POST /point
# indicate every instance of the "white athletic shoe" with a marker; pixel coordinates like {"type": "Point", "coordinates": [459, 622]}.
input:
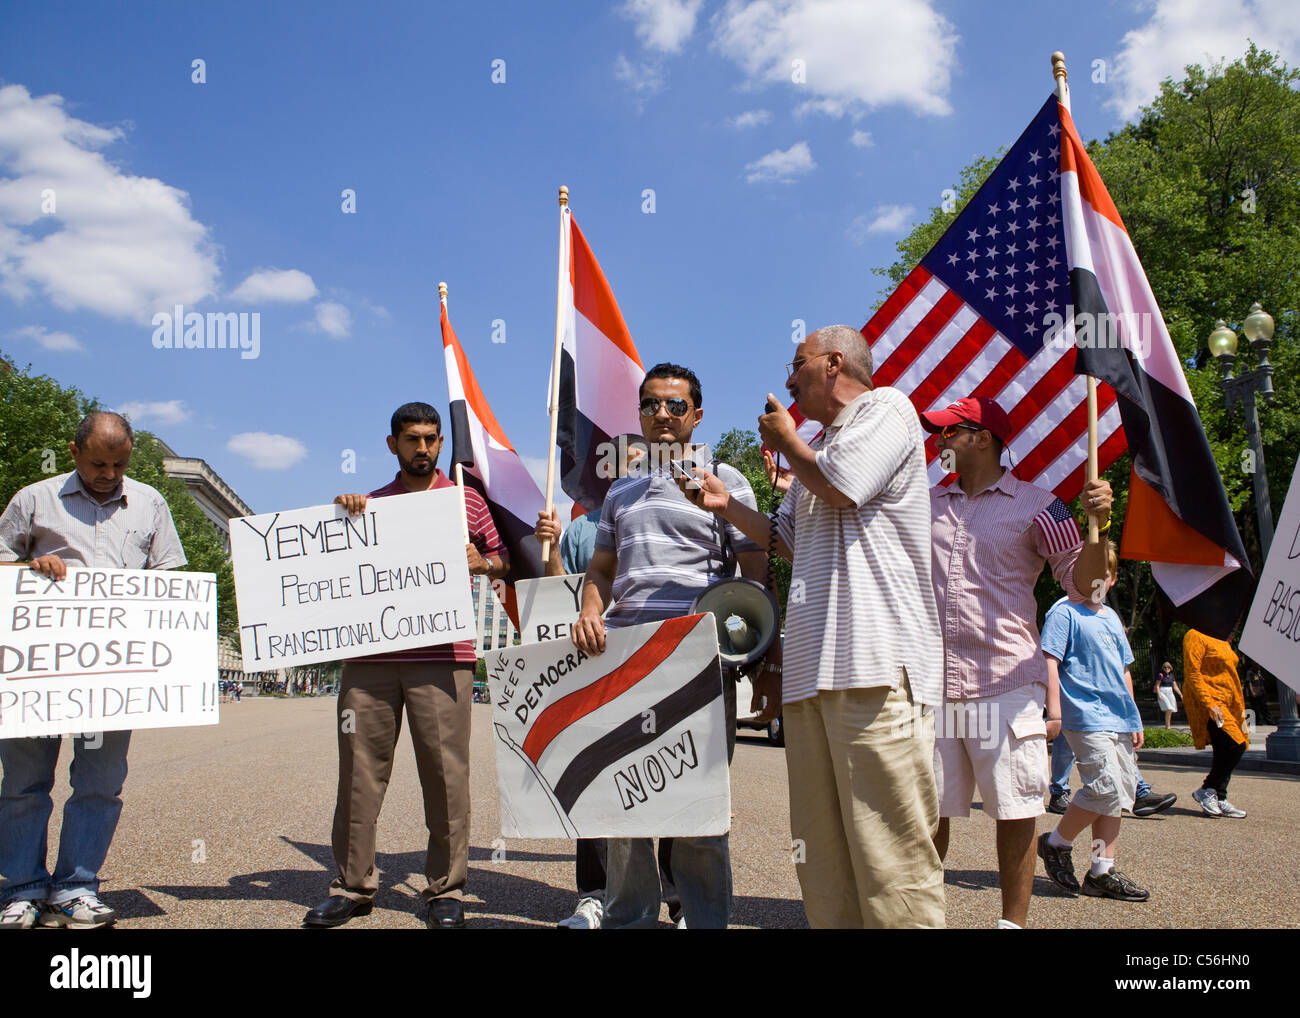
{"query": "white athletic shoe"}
{"type": "Point", "coordinates": [1209, 800]}
{"type": "Point", "coordinates": [20, 914]}
{"type": "Point", "coordinates": [1227, 809]}
{"type": "Point", "coordinates": [589, 914]}
{"type": "Point", "coordinates": [84, 913]}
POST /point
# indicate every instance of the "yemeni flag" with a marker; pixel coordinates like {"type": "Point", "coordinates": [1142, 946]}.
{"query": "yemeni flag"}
{"type": "Point", "coordinates": [1178, 517]}
{"type": "Point", "coordinates": [491, 467]}
{"type": "Point", "coordinates": [600, 373]}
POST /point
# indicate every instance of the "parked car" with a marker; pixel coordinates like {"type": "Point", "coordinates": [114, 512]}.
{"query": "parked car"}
{"type": "Point", "coordinates": [775, 729]}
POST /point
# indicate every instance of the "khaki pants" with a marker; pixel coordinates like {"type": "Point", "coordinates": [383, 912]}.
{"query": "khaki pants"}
{"type": "Point", "coordinates": [863, 809]}
{"type": "Point", "coordinates": [437, 697]}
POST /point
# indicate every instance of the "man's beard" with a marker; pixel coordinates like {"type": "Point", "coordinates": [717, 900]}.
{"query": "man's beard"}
{"type": "Point", "coordinates": [418, 469]}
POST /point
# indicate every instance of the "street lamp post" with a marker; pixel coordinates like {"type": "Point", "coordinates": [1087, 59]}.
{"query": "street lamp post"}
{"type": "Point", "coordinates": [1284, 744]}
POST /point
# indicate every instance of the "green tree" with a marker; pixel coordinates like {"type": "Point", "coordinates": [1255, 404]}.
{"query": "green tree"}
{"type": "Point", "coordinates": [1207, 181]}
{"type": "Point", "coordinates": [37, 420]}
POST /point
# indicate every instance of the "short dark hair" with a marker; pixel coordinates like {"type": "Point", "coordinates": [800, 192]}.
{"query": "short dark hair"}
{"type": "Point", "coordinates": [414, 413]}
{"type": "Point", "coordinates": [115, 422]}
{"type": "Point", "coordinates": [666, 370]}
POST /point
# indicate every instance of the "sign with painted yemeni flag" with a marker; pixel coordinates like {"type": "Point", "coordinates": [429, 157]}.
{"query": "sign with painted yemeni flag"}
{"type": "Point", "coordinates": [628, 743]}
{"type": "Point", "coordinates": [104, 650]}
{"type": "Point", "coordinates": [317, 584]}
{"type": "Point", "coordinates": [548, 607]}
{"type": "Point", "coordinates": [1272, 633]}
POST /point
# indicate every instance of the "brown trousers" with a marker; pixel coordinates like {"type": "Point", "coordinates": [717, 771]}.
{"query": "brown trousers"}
{"type": "Point", "coordinates": [437, 698]}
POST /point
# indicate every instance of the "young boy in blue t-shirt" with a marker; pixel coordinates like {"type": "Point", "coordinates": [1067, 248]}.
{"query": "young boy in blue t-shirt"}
{"type": "Point", "coordinates": [1090, 695]}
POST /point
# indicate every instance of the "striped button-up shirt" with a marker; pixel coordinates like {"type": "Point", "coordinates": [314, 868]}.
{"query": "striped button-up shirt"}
{"type": "Point", "coordinates": [132, 529]}
{"type": "Point", "coordinates": [861, 608]}
{"type": "Point", "coordinates": [988, 552]}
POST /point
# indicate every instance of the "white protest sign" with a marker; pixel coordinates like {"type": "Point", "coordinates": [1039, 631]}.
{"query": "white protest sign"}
{"type": "Point", "coordinates": [317, 584]}
{"type": "Point", "coordinates": [106, 649]}
{"type": "Point", "coordinates": [1272, 633]}
{"type": "Point", "coordinates": [628, 743]}
{"type": "Point", "coordinates": [548, 607]}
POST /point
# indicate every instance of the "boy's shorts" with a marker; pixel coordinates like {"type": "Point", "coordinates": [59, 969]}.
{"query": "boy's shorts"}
{"type": "Point", "coordinates": [1108, 766]}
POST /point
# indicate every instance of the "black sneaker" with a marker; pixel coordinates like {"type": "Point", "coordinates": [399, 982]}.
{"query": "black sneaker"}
{"type": "Point", "coordinates": [1059, 863]}
{"type": "Point", "coordinates": [1153, 803]}
{"type": "Point", "coordinates": [1058, 804]}
{"type": "Point", "coordinates": [1114, 885]}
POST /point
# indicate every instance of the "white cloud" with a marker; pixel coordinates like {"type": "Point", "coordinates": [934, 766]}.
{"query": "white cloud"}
{"type": "Point", "coordinates": [115, 244]}
{"type": "Point", "coordinates": [751, 118]}
{"type": "Point", "coordinates": [643, 79]}
{"type": "Point", "coordinates": [1182, 32]}
{"type": "Point", "coordinates": [861, 139]}
{"type": "Point", "coordinates": [782, 166]}
{"type": "Point", "coordinates": [266, 451]}
{"type": "Point", "coordinates": [856, 56]}
{"type": "Point", "coordinates": [171, 411]}
{"type": "Point", "coordinates": [56, 342]}
{"type": "Point", "coordinates": [885, 219]}
{"type": "Point", "coordinates": [333, 319]}
{"type": "Point", "coordinates": [663, 25]}
{"type": "Point", "coordinates": [275, 285]}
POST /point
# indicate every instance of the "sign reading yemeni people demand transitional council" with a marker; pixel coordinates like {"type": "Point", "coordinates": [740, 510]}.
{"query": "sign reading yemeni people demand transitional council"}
{"type": "Point", "coordinates": [628, 743]}
{"type": "Point", "coordinates": [548, 607]}
{"type": "Point", "coordinates": [106, 649]}
{"type": "Point", "coordinates": [317, 584]}
{"type": "Point", "coordinates": [1272, 633]}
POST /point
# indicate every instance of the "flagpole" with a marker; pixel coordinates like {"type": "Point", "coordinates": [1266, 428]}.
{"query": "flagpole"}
{"type": "Point", "coordinates": [1063, 94]}
{"type": "Point", "coordinates": [555, 363]}
{"type": "Point", "coordinates": [460, 476]}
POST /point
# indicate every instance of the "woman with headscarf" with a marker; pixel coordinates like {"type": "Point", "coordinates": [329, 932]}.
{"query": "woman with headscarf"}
{"type": "Point", "coordinates": [1216, 712]}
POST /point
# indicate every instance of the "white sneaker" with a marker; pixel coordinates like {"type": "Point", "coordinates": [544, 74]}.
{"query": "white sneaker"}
{"type": "Point", "coordinates": [84, 913]}
{"type": "Point", "coordinates": [1209, 800]}
{"type": "Point", "coordinates": [1227, 809]}
{"type": "Point", "coordinates": [20, 914]}
{"type": "Point", "coordinates": [589, 914]}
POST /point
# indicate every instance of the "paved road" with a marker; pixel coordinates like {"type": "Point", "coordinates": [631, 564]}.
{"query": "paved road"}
{"type": "Point", "coordinates": [228, 826]}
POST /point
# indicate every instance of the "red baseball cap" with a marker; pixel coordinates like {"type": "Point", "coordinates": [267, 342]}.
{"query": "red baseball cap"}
{"type": "Point", "coordinates": [971, 410]}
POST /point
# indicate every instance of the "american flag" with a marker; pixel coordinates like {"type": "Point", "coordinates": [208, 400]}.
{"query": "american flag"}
{"type": "Point", "coordinates": [1058, 528]}
{"type": "Point", "coordinates": [973, 319]}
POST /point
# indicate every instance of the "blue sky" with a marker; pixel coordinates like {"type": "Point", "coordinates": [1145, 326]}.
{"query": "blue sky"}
{"type": "Point", "coordinates": [774, 199]}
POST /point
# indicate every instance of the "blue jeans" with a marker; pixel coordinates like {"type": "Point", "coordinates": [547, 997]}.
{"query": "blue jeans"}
{"type": "Point", "coordinates": [89, 816]}
{"type": "Point", "coordinates": [701, 871]}
{"type": "Point", "coordinates": [1063, 760]}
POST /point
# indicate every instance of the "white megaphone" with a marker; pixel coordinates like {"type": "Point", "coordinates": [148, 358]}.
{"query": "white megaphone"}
{"type": "Point", "coordinates": [747, 617]}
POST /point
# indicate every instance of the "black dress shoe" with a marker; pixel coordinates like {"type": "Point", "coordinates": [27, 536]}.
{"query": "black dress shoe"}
{"type": "Point", "coordinates": [335, 911]}
{"type": "Point", "coordinates": [446, 914]}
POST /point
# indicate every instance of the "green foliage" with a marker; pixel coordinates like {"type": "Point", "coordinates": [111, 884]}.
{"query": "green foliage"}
{"type": "Point", "coordinates": [1165, 738]}
{"type": "Point", "coordinates": [1207, 182]}
{"type": "Point", "coordinates": [37, 414]}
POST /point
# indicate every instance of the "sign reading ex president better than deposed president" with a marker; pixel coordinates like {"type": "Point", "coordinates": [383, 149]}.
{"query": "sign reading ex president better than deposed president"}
{"type": "Point", "coordinates": [106, 649]}
{"type": "Point", "coordinates": [317, 584]}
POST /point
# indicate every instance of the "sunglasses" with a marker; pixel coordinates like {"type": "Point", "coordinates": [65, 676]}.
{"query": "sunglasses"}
{"type": "Point", "coordinates": [676, 407]}
{"type": "Point", "coordinates": [950, 431]}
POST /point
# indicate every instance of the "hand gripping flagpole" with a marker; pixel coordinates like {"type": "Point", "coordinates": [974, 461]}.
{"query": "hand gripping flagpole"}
{"type": "Point", "coordinates": [1094, 536]}
{"type": "Point", "coordinates": [460, 475]}
{"type": "Point", "coordinates": [555, 360]}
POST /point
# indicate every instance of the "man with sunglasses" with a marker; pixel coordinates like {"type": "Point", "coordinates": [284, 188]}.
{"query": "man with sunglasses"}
{"type": "Point", "coordinates": [992, 534]}
{"type": "Point", "coordinates": [655, 554]}
{"type": "Point", "coordinates": [863, 648]}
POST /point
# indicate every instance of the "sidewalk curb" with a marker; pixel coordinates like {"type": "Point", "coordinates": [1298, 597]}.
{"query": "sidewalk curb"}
{"type": "Point", "coordinates": [1252, 760]}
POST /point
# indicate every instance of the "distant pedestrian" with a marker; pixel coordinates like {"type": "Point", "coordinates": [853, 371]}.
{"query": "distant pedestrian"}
{"type": "Point", "coordinates": [1165, 689]}
{"type": "Point", "coordinates": [1256, 691]}
{"type": "Point", "coordinates": [1216, 712]}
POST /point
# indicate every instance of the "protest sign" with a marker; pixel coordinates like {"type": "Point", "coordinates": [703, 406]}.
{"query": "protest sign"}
{"type": "Point", "coordinates": [548, 607]}
{"type": "Point", "coordinates": [317, 584]}
{"type": "Point", "coordinates": [628, 743]}
{"type": "Point", "coordinates": [1272, 633]}
{"type": "Point", "coordinates": [106, 649]}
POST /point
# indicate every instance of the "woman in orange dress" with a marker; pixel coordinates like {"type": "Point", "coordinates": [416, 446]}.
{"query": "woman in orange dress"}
{"type": "Point", "coordinates": [1216, 712]}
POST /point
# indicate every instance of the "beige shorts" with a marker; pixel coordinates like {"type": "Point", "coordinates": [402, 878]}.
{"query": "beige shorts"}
{"type": "Point", "coordinates": [1108, 766]}
{"type": "Point", "coordinates": [998, 744]}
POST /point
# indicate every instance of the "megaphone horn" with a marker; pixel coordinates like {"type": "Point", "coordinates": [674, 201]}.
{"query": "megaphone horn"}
{"type": "Point", "coordinates": [747, 617]}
